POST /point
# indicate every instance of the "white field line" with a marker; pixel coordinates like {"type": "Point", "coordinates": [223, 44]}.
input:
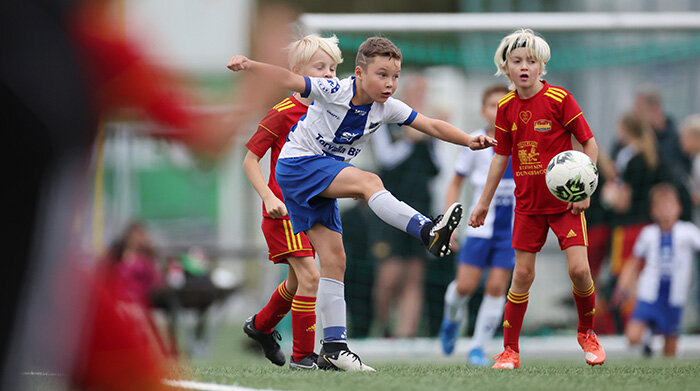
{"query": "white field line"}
{"type": "Point", "coordinates": [194, 385]}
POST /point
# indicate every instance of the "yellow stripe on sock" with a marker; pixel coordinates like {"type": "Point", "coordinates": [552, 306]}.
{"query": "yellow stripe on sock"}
{"type": "Point", "coordinates": [303, 306]}
{"type": "Point", "coordinates": [585, 293]}
{"type": "Point", "coordinates": [282, 289]}
{"type": "Point", "coordinates": [518, 298]}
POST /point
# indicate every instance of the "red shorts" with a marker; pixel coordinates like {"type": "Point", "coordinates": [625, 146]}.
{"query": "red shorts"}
{"type": "Point", "coordinates": [530, 231]}
{"type": "Point", "coordinates": [282, 243]}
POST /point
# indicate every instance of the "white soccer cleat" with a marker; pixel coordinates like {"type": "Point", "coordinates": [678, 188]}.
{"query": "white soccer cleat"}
{"type": "Point", "coordinates": [342, 360]}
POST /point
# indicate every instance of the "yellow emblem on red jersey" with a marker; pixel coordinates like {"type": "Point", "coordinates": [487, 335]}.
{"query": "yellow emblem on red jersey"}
{"type": "Point", "coordinates": [506, 324]}
{"type": "Point", "coordinates": [311, 329]}
{"type": "Point", "coordinates": [525, 116]}
{"type": "Point", "coordinates": [571, 234]}
{"type": "Point", "coordinates": [514, 127]}
{"type": "Point", "coordinates": [543, 125]}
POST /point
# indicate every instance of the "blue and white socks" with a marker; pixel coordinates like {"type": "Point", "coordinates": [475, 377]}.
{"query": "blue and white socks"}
{"type": "Point", "coordinates": [331, 307]}
{"type": "Point", "coordinates": [397, 213]}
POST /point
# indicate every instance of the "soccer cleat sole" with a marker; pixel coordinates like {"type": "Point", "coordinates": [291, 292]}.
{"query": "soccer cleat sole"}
{"type": "Point", "coordinates": [440, 245]}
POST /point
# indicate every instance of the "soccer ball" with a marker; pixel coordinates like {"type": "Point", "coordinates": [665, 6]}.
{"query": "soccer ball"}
{"type": "Point", "coordinates": [571, 176]}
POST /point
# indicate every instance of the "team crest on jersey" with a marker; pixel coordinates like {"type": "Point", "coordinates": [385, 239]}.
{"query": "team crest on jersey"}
{"type": "Point", "coordinates": [528, 157]}
{"type": "Point", "coordinates": [543, 125]}
{"type": "Point", "coordinates": [373, 126]}
{"type": "Point", "coordinates": [331, 88]}
{"type": "Point", "coordinates": [525, 116]}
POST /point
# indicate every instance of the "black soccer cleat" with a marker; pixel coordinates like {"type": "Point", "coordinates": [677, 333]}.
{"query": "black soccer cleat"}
{"type": "Point", "coordinates": [305, 364]}
{"type": "Point", "coordinates": [341, 360]}
{"type": "Point", "coordinates": [437, 240]}
{"type": "Point", "coordinates": [270, 347]}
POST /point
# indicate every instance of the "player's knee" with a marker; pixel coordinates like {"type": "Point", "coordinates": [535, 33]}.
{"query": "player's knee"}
{"type": "Point", "coordinates": [464, 288]}
{"type": "Point", "coordinates": [579, 272]}
{"type": "Point", "coordinates": [371, 183]}
{"type": "Point", "coordinates": [334, 267]}
{"type": "Point", "coordinates": [496, 289]}
{"type": "Point", "coordinates": [633, 337]}
{"type": "Point", "coordinates": [524, 275]}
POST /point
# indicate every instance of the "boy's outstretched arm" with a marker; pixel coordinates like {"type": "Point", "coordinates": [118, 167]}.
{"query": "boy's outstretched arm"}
{"type": "Point", "coordinates": [447, 132]}
{"type": "Point", "coordinates": [498, 166]}
{"type": "Point", "coordinates": [270, 73]}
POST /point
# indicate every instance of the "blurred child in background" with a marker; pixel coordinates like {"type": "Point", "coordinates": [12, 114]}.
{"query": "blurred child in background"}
{"type": "Point", "coordinates": [488, 246]}
{"type": "Point", "coordinates": [666, 250]}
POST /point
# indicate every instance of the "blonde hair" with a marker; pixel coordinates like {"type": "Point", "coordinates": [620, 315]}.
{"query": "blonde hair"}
{"type": "Point", "coordinates": [691, 124]}
{"type": "Point", "coordinates": [301, 51]}
{"type": "Point", "coordinates": [536, 47]}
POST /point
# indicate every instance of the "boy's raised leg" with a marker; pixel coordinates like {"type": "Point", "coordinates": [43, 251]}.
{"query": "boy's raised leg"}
{"type": "Point", "coordinates": [435, 234]}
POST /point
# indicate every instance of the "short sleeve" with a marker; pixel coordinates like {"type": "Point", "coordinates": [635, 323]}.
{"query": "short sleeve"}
{"type": "Point", "coordinates": [503, 134]}
{"type": "Point", "coordinates": [694, 236]}
{"type": "Point", "coordinates": [641, 245]}
{"type": "Point", "coordinates": [321, 88]}
{"type": "Point", "coordinates": [265, 136]}
{"type": "Point", "coordinates": [573, 121]}
{"type": "Point", "coordinates": [464, 163]}
{"type": "Point", "coordinates": [398, 112]}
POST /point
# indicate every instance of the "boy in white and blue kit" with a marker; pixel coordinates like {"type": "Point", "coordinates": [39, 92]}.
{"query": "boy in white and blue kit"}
{"type": "Point", "coordinates": [313, 171]}
{"type": "Point", "coordinates": [488, 246]}
{"type": "Point", "coordinates": [667, 250]}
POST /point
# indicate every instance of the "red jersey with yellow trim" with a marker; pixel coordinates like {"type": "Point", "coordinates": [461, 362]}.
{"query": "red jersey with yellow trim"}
{"type": "Point", "coordinates": [272, 134]}
{"type": "Point", "coordinates": [533, 130]}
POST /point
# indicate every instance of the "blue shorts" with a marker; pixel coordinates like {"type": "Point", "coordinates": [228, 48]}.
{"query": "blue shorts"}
{"type": "Point", "coordinates": [483, 253]}
{"type": "Point", "coordinates": [496, 251]}
{"type": "Point", "coordinates": [663, 317]}
{"type": "Point", "coordinates": [301, 180]}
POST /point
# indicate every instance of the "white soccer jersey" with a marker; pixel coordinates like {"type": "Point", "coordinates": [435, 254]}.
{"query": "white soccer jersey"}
{"type": "Point", "coordinates": [475, 165]}
{"type": "Point", "coordinates": [335, 127]}
{"type": "Point", "coordinates": [651, 246]}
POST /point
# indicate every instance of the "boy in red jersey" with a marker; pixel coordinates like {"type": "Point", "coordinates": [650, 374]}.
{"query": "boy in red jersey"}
{"type": "Point", "coordinates": [310, 56]}
{"type": "Point", "coordinates": [535, 121]}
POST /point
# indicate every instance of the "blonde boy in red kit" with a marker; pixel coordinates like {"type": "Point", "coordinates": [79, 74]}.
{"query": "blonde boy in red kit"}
{"type": "Point", "coordinates": [535, 121]}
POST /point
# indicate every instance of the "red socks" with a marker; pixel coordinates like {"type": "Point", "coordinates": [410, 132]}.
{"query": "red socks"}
{"type": "Point", "coordinates": [513, 315]}
{"type": "Point", "coordinates": [303, 319]}
{"type": "Point", "coordinates": [585, 305]}
{"type": "Point", "coordinates": [279, 305]}
{"type": "Point", "coordinates": [303, 326]}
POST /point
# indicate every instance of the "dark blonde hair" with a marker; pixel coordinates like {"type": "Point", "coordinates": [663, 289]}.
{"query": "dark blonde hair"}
{"type": "Point", "coordinates": [492, 89]}
{"type": "Point", "coordinates": [373, 47]}
{"type": "Point", "coordinates": [642, 136]}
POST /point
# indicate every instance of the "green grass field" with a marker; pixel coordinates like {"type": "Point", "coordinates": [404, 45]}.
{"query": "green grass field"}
{"type": "Point", "coordinates": [535, 375]}
{"type": "Point", "coordinates": [240, 367]}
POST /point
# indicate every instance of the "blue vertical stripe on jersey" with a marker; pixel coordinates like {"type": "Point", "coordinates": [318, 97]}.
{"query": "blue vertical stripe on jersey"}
{"type": "Point", "coordinates": [353, 125]}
